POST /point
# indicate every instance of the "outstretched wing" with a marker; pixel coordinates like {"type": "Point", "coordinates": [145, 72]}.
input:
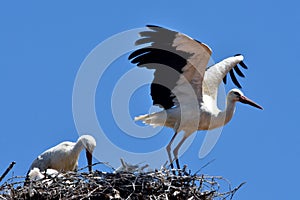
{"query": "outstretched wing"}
{"type": "Point", "coordinates": [179, 62]}
{"type": "Point", "coordinates": [218, 72]}
{"type": "Point", "coordinates": [237, 70]}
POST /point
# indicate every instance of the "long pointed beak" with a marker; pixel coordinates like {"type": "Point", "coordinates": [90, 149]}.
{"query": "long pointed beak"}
{"type": "Point", "coordinates": [89, 158]}
{"type": "Point", "coordinates": [245, 100]}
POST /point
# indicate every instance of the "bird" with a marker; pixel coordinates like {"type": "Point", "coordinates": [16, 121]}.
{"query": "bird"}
{"type": "Point", "coordinates": [64, 156]}
{"type": "Point", "coordinates": [183, 86]}
{"type": "Point", "coordinates": [35, 174]}
{"type": "Point", "coordinates": [46, 178]}
{"type": "Point", "coordinates": [128, 167]}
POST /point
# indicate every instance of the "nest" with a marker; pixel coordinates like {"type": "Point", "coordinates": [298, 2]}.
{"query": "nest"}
{"type": "Point", "coordinates": [159, 184]}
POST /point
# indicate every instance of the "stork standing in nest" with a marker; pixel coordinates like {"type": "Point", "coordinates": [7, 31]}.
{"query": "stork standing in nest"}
{"type": "Point", "coordinates": [183, 85]}
{"type": "Point", "coordinates": [64, 156]}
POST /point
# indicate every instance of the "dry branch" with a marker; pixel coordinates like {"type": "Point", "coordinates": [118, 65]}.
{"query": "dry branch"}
{"type": "Point", "coordinates": [7, 170]}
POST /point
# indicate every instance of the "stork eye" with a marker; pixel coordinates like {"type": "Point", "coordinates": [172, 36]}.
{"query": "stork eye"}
{"type": "Point", "coordinates": [236, 93]}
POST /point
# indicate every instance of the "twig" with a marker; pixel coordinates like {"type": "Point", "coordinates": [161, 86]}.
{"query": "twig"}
{"type": "Point", "coordinates": [205, 166]}
{"type": "Point", "coordinates": [133, 186]}
{"type": "Point", "coordinates": [97, 163]}
{"type": "Point", "coordinates": [7, 170]}
{"type": "Point", "coordinates": [236, 189]}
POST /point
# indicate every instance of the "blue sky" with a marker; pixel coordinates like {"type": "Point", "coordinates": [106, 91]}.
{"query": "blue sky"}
{"type": "Point", "coordinates": [42, 46]}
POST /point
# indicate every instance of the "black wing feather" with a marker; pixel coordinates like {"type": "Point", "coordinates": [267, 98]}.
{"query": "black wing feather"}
{"type": "Point", "coordinates": [243, 65]}
{"type": "Point", "coordinates": [164, 58]}
{"type": "Point", "coordinates": [234, 80]}
{"type": "Point", "coordinates": [225, 79]}
{"type": "Point", "coordinates": [238, 71]}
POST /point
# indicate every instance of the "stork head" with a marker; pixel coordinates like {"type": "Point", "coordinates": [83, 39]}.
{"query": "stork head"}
{"type": "Point", "coordinates": [237, 95]}
{"type": "Point", "coordinates": [89, 143]}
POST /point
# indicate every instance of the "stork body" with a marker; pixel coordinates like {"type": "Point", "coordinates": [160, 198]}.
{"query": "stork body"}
{"type": "Point", "coordinates": [184, 86]}
{"type": "Point", "coordinates": [64, 156]}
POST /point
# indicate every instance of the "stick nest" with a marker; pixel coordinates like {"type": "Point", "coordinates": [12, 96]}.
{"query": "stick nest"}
{"type": "Point", "coordinates": [162, 184]}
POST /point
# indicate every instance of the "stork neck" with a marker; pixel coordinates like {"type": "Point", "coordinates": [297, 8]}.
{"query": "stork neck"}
{"type": "Point", "coordinates": [229, 111]}
{"type": "Point", "coordinates": [78, 147]}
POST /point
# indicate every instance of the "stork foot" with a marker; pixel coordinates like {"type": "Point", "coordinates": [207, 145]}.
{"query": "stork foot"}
{"type": "Point", "coordinates": [178, 166]}
{"type": "Point", "coordinates": [172, 168]}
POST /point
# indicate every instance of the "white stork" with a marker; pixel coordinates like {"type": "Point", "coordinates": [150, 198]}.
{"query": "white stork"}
{"type": "Point", "coordinates": [64, 156]}
{"type": "Point", "coordinates": [184, 86]}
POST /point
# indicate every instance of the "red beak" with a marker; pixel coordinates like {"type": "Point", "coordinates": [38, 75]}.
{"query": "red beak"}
{"type": "Point", "coordinates": [245, 100]}
{"type": "Point", "coordinates": [89, 158]}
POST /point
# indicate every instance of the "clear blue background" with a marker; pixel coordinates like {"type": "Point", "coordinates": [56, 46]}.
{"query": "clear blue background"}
{"type": "Point", "coordinates": [43, 44]}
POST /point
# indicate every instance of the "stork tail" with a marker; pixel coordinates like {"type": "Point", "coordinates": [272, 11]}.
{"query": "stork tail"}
{"type": "Point", "coordinates": [154, 119]}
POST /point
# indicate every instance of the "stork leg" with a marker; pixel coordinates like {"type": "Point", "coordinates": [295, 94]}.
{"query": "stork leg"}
{"type": "Point", "coordinates": [168, 148]}
{"type": "Point", "coordinates": [27, 179]}
{"type": "Point", "coordinates": [175, 152]}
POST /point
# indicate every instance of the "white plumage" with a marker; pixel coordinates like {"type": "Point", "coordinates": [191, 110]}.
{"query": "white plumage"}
{"type": "Point", "coordinates": [35, 174]}
{"type": "Point", "coordinates": [184, 86]}
{"type": "Point", "coordinates": [64, 156]}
